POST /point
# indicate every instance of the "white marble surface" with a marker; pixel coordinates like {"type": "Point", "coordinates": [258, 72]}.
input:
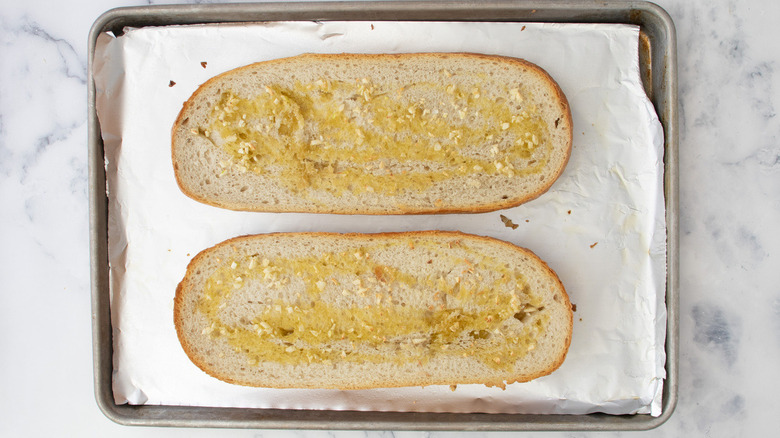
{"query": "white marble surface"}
{"type": "Point", "coordinates": [729, 216]}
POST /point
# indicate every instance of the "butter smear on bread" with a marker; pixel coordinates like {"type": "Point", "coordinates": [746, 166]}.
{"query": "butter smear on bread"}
{"type": "Point", "coordinates": [357, 311]}
{"type": "Point", "coordinates": [374, 134]}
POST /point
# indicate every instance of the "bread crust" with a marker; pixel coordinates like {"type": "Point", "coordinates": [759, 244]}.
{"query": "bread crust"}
{"type": "Point", "coordinates": [363, 381]}
{"type": "Point", "coordinates": [558, 99]}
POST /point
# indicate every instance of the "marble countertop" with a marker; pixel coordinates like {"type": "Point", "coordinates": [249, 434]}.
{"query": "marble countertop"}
{"type": "Point", "coordinates": [729, 233]}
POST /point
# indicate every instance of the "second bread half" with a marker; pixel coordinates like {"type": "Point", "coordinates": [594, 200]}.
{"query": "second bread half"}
{"type": "Point", "coordinates": [350, 311]}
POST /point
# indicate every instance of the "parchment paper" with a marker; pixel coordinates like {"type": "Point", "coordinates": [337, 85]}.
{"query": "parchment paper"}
{"type": "Point", "coordinates": [601, 226]}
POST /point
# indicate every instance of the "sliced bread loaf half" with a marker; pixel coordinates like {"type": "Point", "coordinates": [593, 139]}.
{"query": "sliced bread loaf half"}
{"type": "Point", "coordinates": [373, 134]}
{"type": "Point", "coordinates": [355, 311]}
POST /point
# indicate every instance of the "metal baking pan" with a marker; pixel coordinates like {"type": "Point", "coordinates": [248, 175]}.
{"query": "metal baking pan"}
{"type": "Point", "coordinates": [659, 72]}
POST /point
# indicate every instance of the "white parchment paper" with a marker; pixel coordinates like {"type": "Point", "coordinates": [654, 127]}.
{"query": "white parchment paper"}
{"type": "Point", "coordinates": [601, 226]}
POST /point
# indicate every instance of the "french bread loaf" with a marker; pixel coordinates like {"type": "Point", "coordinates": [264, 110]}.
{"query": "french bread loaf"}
{"type": "Point", "coordinates": [373, 134]}
{"type": "Point", "coordinates": [356, 311]}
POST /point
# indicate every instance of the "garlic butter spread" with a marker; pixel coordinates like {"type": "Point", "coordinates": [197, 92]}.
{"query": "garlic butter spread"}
{"type": "Point", "coordinates": [337, 136]}
{"type": "Point", "coordinates": [464, 315]}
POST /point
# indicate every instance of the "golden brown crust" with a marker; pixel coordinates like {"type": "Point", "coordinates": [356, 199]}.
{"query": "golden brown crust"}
{"type": "Point", "coordinates": [560, 98]}
{"type": "Point", "coordinates": [185, 286]}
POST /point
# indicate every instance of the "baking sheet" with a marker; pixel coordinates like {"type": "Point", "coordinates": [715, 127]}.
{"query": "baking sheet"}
{"type": "Point", "coordinates": [612, 187]}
